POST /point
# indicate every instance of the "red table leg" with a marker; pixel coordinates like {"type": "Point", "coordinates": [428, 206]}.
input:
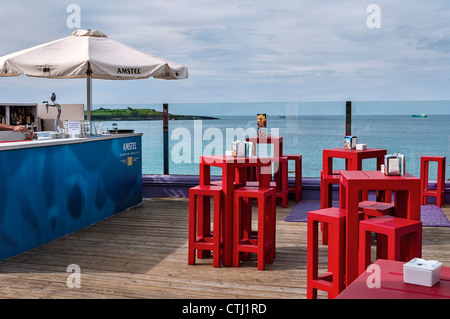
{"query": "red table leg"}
{"type": "Point", "coordinates": [352, 233]}
{"type": "Point", "coordinates": [204, 229]}
{"type": "Point", "coordinates": [227, 188]}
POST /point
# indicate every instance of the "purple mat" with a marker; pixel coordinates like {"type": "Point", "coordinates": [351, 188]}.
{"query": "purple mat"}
{"type": "Point", "coordinates": [430, 215]}
{"type": "Point", "coordinates": [300, 212]}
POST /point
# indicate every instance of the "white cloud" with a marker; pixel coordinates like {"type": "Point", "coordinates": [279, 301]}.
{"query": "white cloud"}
{"type": "Point", "coordinates": [256, 50]}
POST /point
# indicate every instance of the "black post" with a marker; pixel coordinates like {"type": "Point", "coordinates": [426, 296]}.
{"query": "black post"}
{"type": "Point", "coordinates": [348, 118]}
{"type": "Point", "coordinates": [166, 137]}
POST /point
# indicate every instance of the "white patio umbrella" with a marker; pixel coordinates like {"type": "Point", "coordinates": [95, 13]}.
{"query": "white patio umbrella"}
{"type": "Point", "coordinates": [89, 54]}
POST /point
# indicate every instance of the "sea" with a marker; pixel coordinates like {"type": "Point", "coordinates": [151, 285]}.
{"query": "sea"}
{"type": "Point", "coordinates": [307, 135]}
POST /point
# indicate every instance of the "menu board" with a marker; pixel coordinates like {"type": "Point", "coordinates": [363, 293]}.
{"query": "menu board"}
{"type": "Point", "coordinates": [261, 124]}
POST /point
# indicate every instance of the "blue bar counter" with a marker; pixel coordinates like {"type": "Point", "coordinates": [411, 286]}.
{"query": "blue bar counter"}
{"type": "Point", "coordinates": [51, 188]}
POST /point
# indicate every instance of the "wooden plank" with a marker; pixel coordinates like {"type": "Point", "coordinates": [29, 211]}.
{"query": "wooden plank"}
{"type": "Point", "coordinates": [142, 253]}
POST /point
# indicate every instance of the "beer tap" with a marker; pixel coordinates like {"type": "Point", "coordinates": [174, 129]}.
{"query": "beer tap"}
{"type": "Point", "coordinates": [58, 115]}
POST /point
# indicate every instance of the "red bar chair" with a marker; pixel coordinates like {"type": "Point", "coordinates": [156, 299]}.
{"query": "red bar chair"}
{"type": "Point", "coordinates": [395, 229]}
{"type": "Point", "coordinates": [440, 189]}
{"type": "Point", "coordinates": [261, 242]}
{"type": "Point", "coordinates": [371, 209]}
{"type": "Point", "coordinates": [280, 180]}
{"type": "Point", "coordinates": [326, 182]}
{"type": "Point", "coordinates": [200, 236]}
{"type": "Point", "coordinates": [219, 183]}
{"type": "Point", "coordinates": [297, 188]}
{"type": "Point", "coordinates": [376, 209]}
{"type": "Point", "coordinates": [333, 280]}
{"type": "Point", "coordinates": [326, 198]}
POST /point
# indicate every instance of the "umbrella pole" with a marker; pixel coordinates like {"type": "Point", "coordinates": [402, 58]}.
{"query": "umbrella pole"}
{"type": "Point", "coordinates": [89, 97]}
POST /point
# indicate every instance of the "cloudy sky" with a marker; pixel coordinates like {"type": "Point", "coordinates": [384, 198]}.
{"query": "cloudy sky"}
{"type": "Point", "coordinates": [248, 50]}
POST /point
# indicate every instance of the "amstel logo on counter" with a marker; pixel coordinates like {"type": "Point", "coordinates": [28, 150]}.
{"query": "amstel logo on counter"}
{"type": "Point", "coordinates": [129, 154]}
{"type": "Point", "coordinates": [129, 160]}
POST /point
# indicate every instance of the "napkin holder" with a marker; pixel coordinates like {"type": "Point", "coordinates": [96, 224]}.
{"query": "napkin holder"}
{"type": "Point", "coordinates": [391, 165]}
{"type": "Point", "coordinates": [238, 148]}
{"type": "Point", "coordinates": [250, 149]}
{"type": "Point", "coordinates": [422, 272]}
{"type": "Point", "coordinates": [394, 164]}
{"type": "Point", "coordinates": [262, 132]}
{"type": "Point", "coordinates": [401, 159]}
{"type": "Point", "coordinates": [350, 142]}
{"type": "Point", "coordinates": [243, 149]}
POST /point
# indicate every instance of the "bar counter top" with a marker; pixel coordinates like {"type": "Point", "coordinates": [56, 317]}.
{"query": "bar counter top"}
{"type": "Point", "coordinates": [16, 145]}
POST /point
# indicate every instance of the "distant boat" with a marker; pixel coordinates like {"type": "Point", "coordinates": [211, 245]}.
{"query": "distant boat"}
{"type": "Point", "coordinates": [421, 115]}
{"type": "Point", "coordinates": [282, 117]}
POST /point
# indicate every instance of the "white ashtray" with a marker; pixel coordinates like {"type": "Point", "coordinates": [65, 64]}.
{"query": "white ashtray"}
{"type": "Point", "coordinates": [422, 272]}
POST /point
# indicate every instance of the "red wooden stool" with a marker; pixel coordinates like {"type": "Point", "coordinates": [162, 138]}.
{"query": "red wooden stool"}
{"type": "Point", "coordinates": [372, 209]}
{"type": "Point", "coordinates": [244, 240]}
{"type": "Point", "coordinates": [297, 188]}
{"type": "Point", "coordinates": [280, 180]}
{"type": "Point", "coordinates": [394, 228]}
{"type": "Point", "coordinates": [376, 209]}
{"type": "Point", "coordinates": [219, 183]}
{"type": "Point", "coordinates": [326, 182]}
{"type": "Point", "coordinates": [333, 280]}
{"type": "Point", "coordinates": [200, 236]}
{"type": "Point", "coordinates": [440, 189]}
{"type": "Point", "coordinates": [326, 198]}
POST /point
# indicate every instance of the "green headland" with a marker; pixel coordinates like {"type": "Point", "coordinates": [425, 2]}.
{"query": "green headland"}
{"type": "Point", "coordinates": [131, 114]}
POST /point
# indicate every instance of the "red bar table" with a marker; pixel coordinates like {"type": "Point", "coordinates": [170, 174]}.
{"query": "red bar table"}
{"type": "Point", "coordinates": [353, 162]}
{"type": "Point", "coordinates": [407, 204]}
{"type": "Point", "coordinates": [277, 142]}
{"type": "Point", "coordinates": [233, 169]}
{"type": "Point", "coordinates": [392, 286]}
{"type": "Point", "coordinates": [353, 158]}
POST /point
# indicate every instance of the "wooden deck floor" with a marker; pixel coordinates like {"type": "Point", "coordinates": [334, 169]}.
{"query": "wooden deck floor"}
{"type": "Point", "coordinates": [142, 253]}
